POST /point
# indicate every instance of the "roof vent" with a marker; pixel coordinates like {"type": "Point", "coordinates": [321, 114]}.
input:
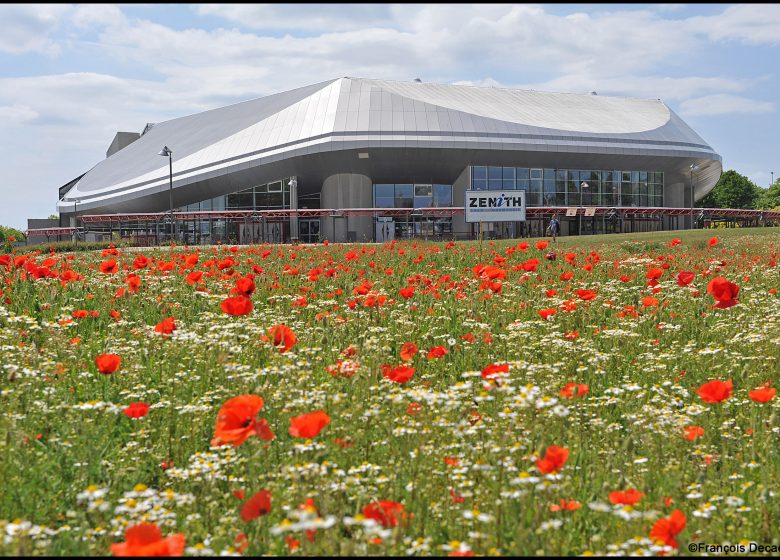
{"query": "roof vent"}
{"type": "Point", "coordinates": [418, 80]}
{"type": "Point", "coordinates": [593, 93]}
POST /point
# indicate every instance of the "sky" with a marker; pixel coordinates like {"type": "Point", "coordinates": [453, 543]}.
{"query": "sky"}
{"type": "Point", "coordinates": [71, 76]}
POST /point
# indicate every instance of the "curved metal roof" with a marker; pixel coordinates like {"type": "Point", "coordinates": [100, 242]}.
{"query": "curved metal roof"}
{"type": "Point", "coordinates": [350, 113]}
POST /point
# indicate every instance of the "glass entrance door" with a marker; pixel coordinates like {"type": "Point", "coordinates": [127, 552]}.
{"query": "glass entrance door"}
{"type": "Point", "coordinates": [384, 229]}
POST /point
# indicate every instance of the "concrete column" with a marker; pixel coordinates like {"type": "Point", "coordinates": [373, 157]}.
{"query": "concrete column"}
{"type": "Point", "coordinates": [459, 188]}
{"type": "Point", "coordinates": [347, 190]}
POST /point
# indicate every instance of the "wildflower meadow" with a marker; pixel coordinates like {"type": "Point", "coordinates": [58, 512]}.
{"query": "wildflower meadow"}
{"type": "Point", "coordinates": [596, 395]}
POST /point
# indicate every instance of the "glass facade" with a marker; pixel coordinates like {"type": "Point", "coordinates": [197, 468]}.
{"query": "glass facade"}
{"type": "Point", "coordinates": [574, 187]}
{"type": "Point", "coordinates": [406, 195]}
{"type": "Point", "coordinates": [409, 195]}
{"type": "Point", "coordinates": [270, 196]}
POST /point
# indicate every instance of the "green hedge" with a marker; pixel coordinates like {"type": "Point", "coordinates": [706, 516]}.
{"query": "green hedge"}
{"type": "Point", "coordinates": [65, 246]}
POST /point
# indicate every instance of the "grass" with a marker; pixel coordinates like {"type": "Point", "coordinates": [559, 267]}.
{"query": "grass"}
{"type": "Point", "coordinates": [462, 459]}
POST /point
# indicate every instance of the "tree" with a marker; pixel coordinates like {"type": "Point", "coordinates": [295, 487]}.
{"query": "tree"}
{"type": "Point", "coordinates": [53, 217]}
{"type": "Point", "coordinates": [732, 191]}
{"type": "Point", "coordinates": [769, 198]}
{"type": "Point", "coordinates": [7, 233]}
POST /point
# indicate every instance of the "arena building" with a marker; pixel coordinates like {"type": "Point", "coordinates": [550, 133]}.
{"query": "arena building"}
{"type": "Point", "coordinates": [354, 159]}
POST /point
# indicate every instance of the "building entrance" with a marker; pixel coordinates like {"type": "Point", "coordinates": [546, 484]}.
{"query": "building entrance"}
{"type": "Point", "coordinates": [385, 229]}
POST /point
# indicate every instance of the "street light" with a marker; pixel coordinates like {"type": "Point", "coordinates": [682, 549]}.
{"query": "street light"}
{"type": "Point", "coordinates": [166, 152]}
{"type": "Point", "coordinates": [583, 189]}
{"type": "Point", "coordinates": [694, 167]}
{"type": "Point", "coordinates": [76, 218]}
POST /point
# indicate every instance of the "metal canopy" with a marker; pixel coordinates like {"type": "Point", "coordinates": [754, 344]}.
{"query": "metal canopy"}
{"type": "Point", "coordinates": [533, 211]}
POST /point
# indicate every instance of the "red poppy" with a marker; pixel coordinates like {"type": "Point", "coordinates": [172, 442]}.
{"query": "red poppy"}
{"type": "Point", "coordinates": [572, 390]}
{"type": "Point", "coordinates": [109, 267]}
{"type": "Point", "coordinates": [715, 391]}
{"type": "Point", "coordinates": [257, 505]}
{"type": "Point", "coordinates": [437, 352]}
{"type": "Point", "coordinates": [236, 421]}
{"type": "Point", "coordinates": [547, 313]}
{"type": "Point", "coordinates": [724, 292]}
{"type": "Point", "coordinates": [136, 410]}
{"type": "Point", "coordinates": [456, 498]}
{"type": "Point", "coordinates": [194, 277]}
{"type": "Point", "coordinates": [166, 326]}
{"type": "Point", "coordinates": [191, 260]}
{"type": "Point", "coordinates": [398, 374]}
{"type": "Point", "coordinates": [684, 278]}
{"type": "Point", "coordinates": [571, 335]}
{"type": "Point", "coordinates": [693, 432]}
{"type": "Point", "coordinates": [554, 459]}
{"type": "Point", "coordinates": [713, 241]}
{"type": "Point", "coordinates": [133, 282]}
{"type": "Point", "coordinates": [649, 301]}
{"type": "Point", "coordinates": [406, 292]}
{"type": "Point", "coordinates": [674, 242]}
{"type": "Point", "coordinates": [385, 512]}
{"type": "Point", "coordinates": [146, 540]}
{"type": "Point", "coordinates": [626, 497]}
{"type": "Point", "coordinates": [565, 505]}
{"type": "Point", "coordinates": [238, 305]}
{"type": "Point", "coordinates": [666, 529]}
{"type": "Point", "coordinates": [586, 294]}
{"type": "Point", "coordinates": [494, 370]}
{"type": "Point", "coordinates": [762, 395]}
{"type": "Point", "coordinates": [140, 262]}
{"type": "Point", "coordinates": [408, 351]}
{"type": "Point", "coordinates": [542, 245]}
{"type": "Point", "coordinates": [244, 286]}
{"type": "Point", "coordinates": [283, 337]}
{"type": "Point", "coordinates": [308, 425]}
{"type": "Point", "coordinates": [108, 363]}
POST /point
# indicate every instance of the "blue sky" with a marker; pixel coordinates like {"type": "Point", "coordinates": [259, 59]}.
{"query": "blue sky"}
{"type": "Point", "coordinates": [73, 75]}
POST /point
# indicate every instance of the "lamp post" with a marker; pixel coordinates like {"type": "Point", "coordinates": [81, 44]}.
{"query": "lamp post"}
{"type": "Point", "coordinates": [76, 218]}
{"type": "Point", "coordinates": [693, 168]}
{"type": "Point", "coordinates": [293, 203]}
{"type": "Point", "coordinates": [166, 152]}
{"type": "Point", "coordinates": [583, 189]}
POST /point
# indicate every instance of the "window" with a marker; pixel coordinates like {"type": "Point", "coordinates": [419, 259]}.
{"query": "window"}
{"type": "Point", "coordinates": [275, 187]}
{"type": "Point", "coordinates": [404, 196]}
{"type": "Point", "coordinates": [508, 175]}
{"type": "Point", "coordinates": [495, 173]}
{"type": "Point", "coordinates": [423, 196]}
{"type": "Point", "coordinates": [442, 196]}
{"type": "Point", "coordinates": [523, 184]}
{"type": "Point", "coordinates": [573, 189]}
{"type": "Point", "coordinates": [479, 172]}
{"type": "Point", "coordinates": [384, 196]}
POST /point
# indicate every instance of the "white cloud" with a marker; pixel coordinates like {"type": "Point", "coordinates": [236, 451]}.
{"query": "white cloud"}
{"type": "Point", "coordinates": [659, 87]}
{"type": "Point", "coordinates": [752, 24]}
{"type": "Point", "coordinates": [720, 104]}
{"type": "Point", "coordinates": [331, 17]}
{"type": "Point", "coordinates": [17, 114]}
{"type": "Point", "coordinates": [26, 27]}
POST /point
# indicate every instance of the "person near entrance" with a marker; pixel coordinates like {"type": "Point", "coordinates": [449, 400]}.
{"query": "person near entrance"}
{"type": "Point", "coordinates": [554, 228]}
